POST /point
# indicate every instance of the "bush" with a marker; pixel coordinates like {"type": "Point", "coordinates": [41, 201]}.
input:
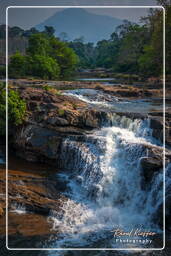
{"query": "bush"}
{"type": "Point", "coordinates": [16, 109]}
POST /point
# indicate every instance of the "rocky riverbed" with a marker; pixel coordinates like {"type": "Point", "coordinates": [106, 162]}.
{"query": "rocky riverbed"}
{"type": "Point", "coordinates": [64, 132]}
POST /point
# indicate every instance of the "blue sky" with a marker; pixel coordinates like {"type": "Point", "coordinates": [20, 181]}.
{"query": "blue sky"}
{"type": "Point", "coordinates": [27, 18]}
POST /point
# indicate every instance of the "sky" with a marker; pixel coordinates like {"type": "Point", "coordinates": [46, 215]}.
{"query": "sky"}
{"type": "Point", "coordinates": [29, 17]}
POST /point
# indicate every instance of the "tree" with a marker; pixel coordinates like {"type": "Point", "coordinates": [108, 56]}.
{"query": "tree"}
{"type": "Point", "coordinates": [131, 48]}
{"type": "Point", "coordinates": [64, 56]}
{"type": "Point", "coordinates": [17, 66]}
{"type": "Point", "coordinates": [86, 53]}
{"type": "Point", "coordinates": [15, 31]}
{"type": "Point", "coordinates": [43, 66]}
{"type": "Point", "coordinates": [104, 57]}
{"type": "Point", "coordinates": [38, 44]}
{"type": "Point", "coordinates": [146, 62]}
{"type": "Point", "coordinates": [151, 61]}
{"type": "Point", "coordinates": [49, 31]}
{"type": "Point", "coordinates": [28, 33]}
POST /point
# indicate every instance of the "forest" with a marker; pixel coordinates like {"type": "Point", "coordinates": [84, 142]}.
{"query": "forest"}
{"type": "Point", "coordinates": [131, 49]}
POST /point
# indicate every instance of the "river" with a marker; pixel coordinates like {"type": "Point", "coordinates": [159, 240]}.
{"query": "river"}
{"type": "Point", "coordinates": [104, 181]}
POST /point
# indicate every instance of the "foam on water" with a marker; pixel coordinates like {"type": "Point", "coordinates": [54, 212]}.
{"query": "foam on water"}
{"type": "Point", "coordinates": [87, 97]}
{"type": "Point", "coordinates": [18, 208]}
{"type": "Point", "coordinates": [105, 184]}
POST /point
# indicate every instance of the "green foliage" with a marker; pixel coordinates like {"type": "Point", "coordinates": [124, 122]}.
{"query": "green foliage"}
{"type": "Point", "coordinates": [168, 38]}
{"type": "Point", "coordinates": [131, 49]}
{"type": "Point", "coordinates": [47, 58]}
{"type": "Point", "coordinates": [61, 112]}
{"type": "Point", "coordinates": [17, 66]}
{"type": "Point", "coordinates": [86, 53]}
{"type": "Point", "coordinates": [107, 52]}
{"type": "Point", "coordinates": [16, 109]}
{"type": "Point", "coordinates": [63, 55]}
{"type": "Point", "coordinates": [38, 45]}
{"type": "Point", "coordinates": [146, 61]}
{"type": "Point", "coordinates": [133, 39]}
{"type": "Point", "coordinates": [49, 30]}
{"type": "Point", "coordinates": [47, 87]}
{"type": "Point", "coordinates": [51, 89]}
{"type": "Point", "coordinates": [44, 67]}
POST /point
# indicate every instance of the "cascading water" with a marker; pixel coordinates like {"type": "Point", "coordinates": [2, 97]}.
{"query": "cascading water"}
{"type": "Point", "coordinates": [105, 185]}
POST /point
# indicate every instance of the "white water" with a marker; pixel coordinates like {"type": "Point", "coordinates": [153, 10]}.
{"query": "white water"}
{"type": "Point", "coordinates": [100, 99]}
{"type": "Point", "coordinates": [18, 208]}
{"type": "Point", "coordinates": [90, 96]}
{"type": "Point", "coordinates": [105, 188]}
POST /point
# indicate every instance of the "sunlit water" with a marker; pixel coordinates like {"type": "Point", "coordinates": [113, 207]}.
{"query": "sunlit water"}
{"type": "Point", "coordinates": [104, 180]}
{"type": "Point", "coordinates": [100, 99]}
{"type": "Point", "coordinates": [105, 186]}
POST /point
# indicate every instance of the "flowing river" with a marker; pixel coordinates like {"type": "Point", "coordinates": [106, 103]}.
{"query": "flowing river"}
{"type": "Point", "coordinates": [104, 180]}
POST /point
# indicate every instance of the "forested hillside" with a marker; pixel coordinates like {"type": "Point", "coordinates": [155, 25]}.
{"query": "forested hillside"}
{"type": "Point", "coordinates": [131, 49]}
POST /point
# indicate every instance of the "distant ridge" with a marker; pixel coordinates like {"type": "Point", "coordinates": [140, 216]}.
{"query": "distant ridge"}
{"type": "Point", "coordinates": [77, 22]}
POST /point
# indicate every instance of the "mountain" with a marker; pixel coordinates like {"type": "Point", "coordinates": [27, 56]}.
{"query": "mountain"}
{"type": "Point", "coordinates": [77, 22]}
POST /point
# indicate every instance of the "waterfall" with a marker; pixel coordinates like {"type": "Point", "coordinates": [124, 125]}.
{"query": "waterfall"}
{"type": "Point", "coordinates": [105, 183]}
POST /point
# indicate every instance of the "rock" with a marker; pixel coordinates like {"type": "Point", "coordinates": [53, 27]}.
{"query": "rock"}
{"type": "Point", "coordinates": [36, 188]}
{"type": "Point", "coordinates": [130, 91]}
{"type": "Point", "coordinates": [156, 123]}
{"type": "Point", "coordinates": [149, 166]}
{"type": "Point", "coordinates": [34, 143]}
{"type": "Point", "coordinates": [57, 121]}
{"type": "Point", "coordinates": [50, 117]}
{"type": "Point", "coordinates": [1, 211]}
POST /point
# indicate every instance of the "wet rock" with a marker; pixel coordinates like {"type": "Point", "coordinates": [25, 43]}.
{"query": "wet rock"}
{"type": "Point", "coordinates": [50, 117]}
{"type": "Point", "coordinates": [156, 123]}
{"type": "Point", "coordinates": [1, 211]}
{"type": "Point", "coordinates": [34, 188]}
{"type": "Point", "coordinates": [57, 121]}
{"type": "Point", "coordinates": [150, 165]}
{"type": "Point", "coordinates": [34, 141]}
